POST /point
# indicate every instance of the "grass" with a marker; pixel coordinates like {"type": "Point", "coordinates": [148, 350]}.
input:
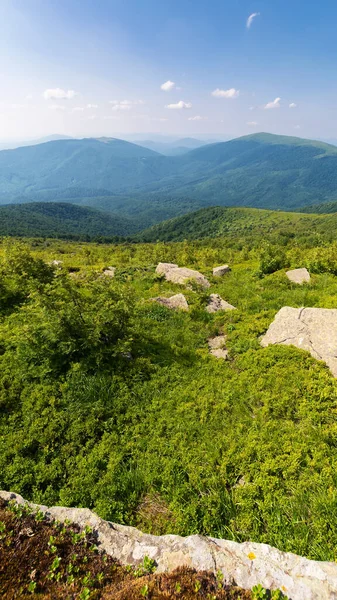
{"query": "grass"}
{"type": "Point", "coordinates": [166, 437]}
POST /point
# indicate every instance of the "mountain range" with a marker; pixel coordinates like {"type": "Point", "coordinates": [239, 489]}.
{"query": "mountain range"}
{"type": "Point", "coordinates": [260, 170]}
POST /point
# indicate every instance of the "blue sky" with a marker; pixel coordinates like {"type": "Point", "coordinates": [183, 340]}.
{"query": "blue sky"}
{"type": "Point", "coordinates": [96, 68]}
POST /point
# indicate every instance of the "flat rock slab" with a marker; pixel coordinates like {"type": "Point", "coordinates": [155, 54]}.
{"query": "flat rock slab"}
{"type": "Point", "coordinates": [312, 329]}
{"type": "Point", "coordinates": [247, 563]}
{"type": "Point", "coordinates": [221, 271]}
{"type": "Point", "coordinates": [216, 303]}
{"type": "Point", "coordinates": [176, 302]}
{"type": "Point", "coordinates": [181, 274]}
{"type": "Point", "coordinates": [298, 276]}
{"type": "Point", "coordinates": [217, 347]}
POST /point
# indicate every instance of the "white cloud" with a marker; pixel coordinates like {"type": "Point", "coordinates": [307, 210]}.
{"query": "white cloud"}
{"type": "Point", "coordinates": [197, 118]}
{"type": "Point", "coordinates": [111, 118]}
{"type": "Point", "coordinates": [57, 107]}
{"type": "Point", "coordinates": [121, 107]}
{"type": "Point", "coordinates": [92, 117]}
{"type": "Point", "coordinates": [17, 106]}
{"type": "Point", "coordinates": [167, 86]}
{"type": "Point", "coordinates": [231, 93]}
{"type": "Point", "coordinates": [125, 104]}
{"type": "Point", "coordinates": [297, 127]}
{"type": "Point", "coordinates": [292, 105]}
{"type": "Point", "coordinates": [252, 123]}
{"type": "Point", "coordinates": [78, 109]}
{"type": "Point", "coordinates": [29, 97]}
{"type": "Point", "coordinates": [251, 19]}
{"type": "Point", "coordinates": [274, 104]}
{"type": "Point", "coordinates": [92, 105]}
{"type": "Point", "coordinates": [59, 94]}
{"type": "Point", "coordinates": [179, 106]}
{"type": "Point", "coordinates": [160, 119]}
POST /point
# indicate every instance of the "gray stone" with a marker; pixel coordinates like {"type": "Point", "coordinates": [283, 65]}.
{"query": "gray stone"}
{"type": "Point", "coordinates": [163, 268]}
{"type": "Point", "coordinates": [246, 563]}
{"type": "Point", "coordinates": [181, 274]}
{"type": "Point", "coordinates": [298, 276]}
{"type": "Point", "coordinates": [311, 329]}
{"type": "Point", "coordinates": [109, 272]}
{"type": "Point", "coordinates": [176, 302]}
{"type": "Point", "coordinates": [217, 346]}
{"type": "Point", "coordinates": [216, 303]}
{"type": "Point", "coordinates": [220, 271]}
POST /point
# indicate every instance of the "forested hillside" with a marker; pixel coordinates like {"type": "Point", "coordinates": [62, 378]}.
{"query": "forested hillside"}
{"type": "Point", "coordinates": [261, 170]}
{"type": "Point", "coordinates": [61, 220]}
{"type": "Point", "coordinates": [112, 401]}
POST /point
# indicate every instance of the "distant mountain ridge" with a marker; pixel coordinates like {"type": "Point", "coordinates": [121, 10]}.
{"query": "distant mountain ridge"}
{"type": "Point", "coordinates": [261, 170]}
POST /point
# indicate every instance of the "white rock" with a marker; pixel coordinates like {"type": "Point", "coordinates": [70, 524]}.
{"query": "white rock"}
{"type": "Point", "coordinates": [56, 263]}
{"type": "Point", "coordinates": [177, 302]}
{"type": "Point", "coordinates": [217, 346]}
{"type": "Point", "coordinates": [216, 303]}
{"type": "Point", "coordinates": [247, 563]}
{"type": "Point", "coordinates": [298, 276]}
{"type": "Point", "coordinates": [220, 271]}
{"type": "Point", "coordinates": [312, 329]}
{"type": "Point", "coordinates": [181, 274]}
{"type": "Point", "coordinates": [110, 272]}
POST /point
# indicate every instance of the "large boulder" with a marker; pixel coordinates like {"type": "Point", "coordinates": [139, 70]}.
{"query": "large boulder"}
{"type": "Point", "coordinates": [181, 274]}
{"type": "Point", "coordinates": [216, 303]}
{"type": "Point", "coordinates": [176, 302]}
{"type": "Point", "coordinates": [164, 268]}
{"type": "Point", "coordinates": [247, 563]}
{"type": "Point", "coordinates": [221, 271]}
{"type": "Point", "coordinates": [217, 346]}
{"type": "Point", "coordinates": [312, 329]}
{"type": "Point", "coordinates": [298, 276]}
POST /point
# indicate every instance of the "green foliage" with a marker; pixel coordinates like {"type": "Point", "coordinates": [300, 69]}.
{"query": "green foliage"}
{"type": "Point", "coordinates": [260, 593]}
{"type": "Point", "coordinates": [112, 402]}
{"type": "Point", "coordinates": [272, 258]}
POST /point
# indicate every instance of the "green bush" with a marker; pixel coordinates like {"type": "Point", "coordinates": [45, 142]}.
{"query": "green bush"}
{"type": "Point", "coordinates": [272, 258]}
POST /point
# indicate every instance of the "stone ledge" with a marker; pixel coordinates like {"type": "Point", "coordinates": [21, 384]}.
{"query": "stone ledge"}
{"type": "Point", "coordinates": [246, 564]}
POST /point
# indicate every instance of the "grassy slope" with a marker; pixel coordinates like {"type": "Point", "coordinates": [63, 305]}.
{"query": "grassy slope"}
{"type": "Point", "coordinates": [240, 222]}
{"type": "Point", "coordinates": [175, 441]}
{"type": "Point", "coordinates": [62, 220]}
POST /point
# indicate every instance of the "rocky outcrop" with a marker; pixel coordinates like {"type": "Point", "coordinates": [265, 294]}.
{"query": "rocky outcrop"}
{"type": "Point", "coordinates": [312, 329]}
{"type": "Point", "coordinates": [181, 274]}
{"type": "Point", "coordinates": [247, 564]}
{"type": "Point", "coordinates": [217, 346]}
{"type": "Point", "coordinates": [176, 302]}
{"type": "Point", "coordinates": [221, 271]}
{"type": "Point", "coordinates": [298, 276]}
{"type": "Point", "coordinates": [216, 303]}
{"type": "Point", "coordinates": [109, 272]}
